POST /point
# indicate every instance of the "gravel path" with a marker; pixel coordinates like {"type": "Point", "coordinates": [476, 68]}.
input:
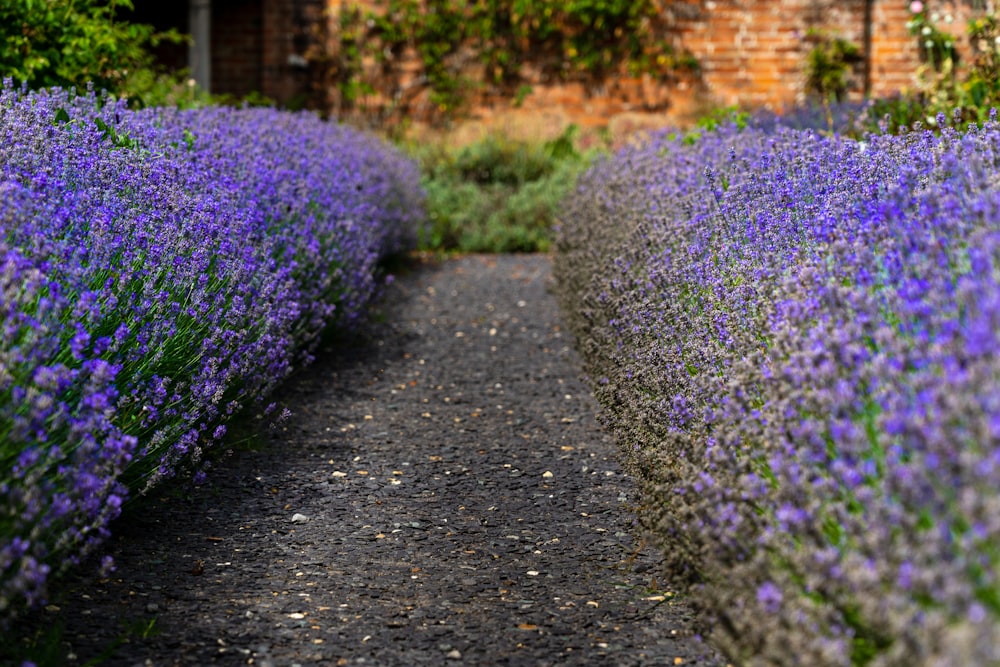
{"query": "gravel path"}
{"type": "Point", "coordinates": [443, 495]}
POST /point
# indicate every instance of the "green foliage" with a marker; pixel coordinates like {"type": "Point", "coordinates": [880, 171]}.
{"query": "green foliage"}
{"type": "Point", "coordinates": [521, 94]}
{"type": "Point", "coordinates": [118, 139]}
{"type": "Point", "coordinates": [81, 43]}
{"type": "Point", "coordinates": [153, 88]}
{"type": "Point", "coordinates": [828, 65]}
{"type": "Point", "coordinates": [73, 43]}
{"type": "Point", "coordinates": [497, 195]}
{"type": "Point", "coordinates": [41, 647]}
{"type": "Point", "coordinates": [497, 160]}
{"type": "Point", "coordinates": [715, 119]}
{"type": "Point", "coordinates": [891, 114]}
{"type": "Point", "coordinates": [724, 116]}
{"type": "Point", "coordinates": [937, 47]}
{"type": "Point", "coordinates": [495, 39]}
{"type": "Point", "coordinates": [963, 91]}
{"type": "Point", "coordinates": [983, 84]}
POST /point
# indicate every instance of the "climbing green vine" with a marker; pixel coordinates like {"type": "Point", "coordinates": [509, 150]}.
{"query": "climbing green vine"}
{"type": "Point", "coordinates": [964, 88]}
{"type": "Point", "coordinates": [829, 64]}
{"type": "Point", "coordinates": [492, 46]}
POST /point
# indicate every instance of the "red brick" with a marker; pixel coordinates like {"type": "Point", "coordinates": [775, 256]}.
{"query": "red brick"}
{"type": "Point", "coordinates": [750, 51]}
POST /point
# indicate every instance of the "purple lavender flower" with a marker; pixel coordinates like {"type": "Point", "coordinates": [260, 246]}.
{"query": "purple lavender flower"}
{"type": "Point", "coordinates": [769, 597]}
{"type": "Point", "coordinates": [799, 338]}
{"type": "Point", "coordinates": [150, 289]}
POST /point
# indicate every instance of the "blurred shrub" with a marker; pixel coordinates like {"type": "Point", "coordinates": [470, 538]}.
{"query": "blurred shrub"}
{"type": "Point", "coordinates": [76, 43]}
{"type": "Point", "coordinates": [795, 339]}
{"type": "Point", "coordinates": [963, 91]}
{"type": "Point", "coordinates": [497, 195]}
{"type": "Point", "coordinates": [828, 64]}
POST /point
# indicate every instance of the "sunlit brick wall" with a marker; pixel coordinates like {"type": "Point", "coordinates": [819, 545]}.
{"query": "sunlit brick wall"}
{"type": "Point", "coordinates": [753, 52]}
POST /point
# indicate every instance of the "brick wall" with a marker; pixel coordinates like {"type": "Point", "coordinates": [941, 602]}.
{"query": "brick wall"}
{"type": "Point", "coordinates": [257, 45]}
{"type": "Point", "coordinates": [753, 52]}
{"type": "Point", "coordinates": [289, 31]}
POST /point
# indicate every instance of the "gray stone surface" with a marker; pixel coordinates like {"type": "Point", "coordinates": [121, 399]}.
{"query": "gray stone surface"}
{"type": "Point", "coordinates": [442, 494]}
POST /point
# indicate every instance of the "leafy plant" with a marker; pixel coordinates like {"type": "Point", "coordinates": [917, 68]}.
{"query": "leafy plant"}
{"type": "Point", "coordinates": [44, 646]}
{"type": "Point", "coordinates": [937, 47]}
{"type": "Point", "coordinates": [497, 195]}
{"type": "Point", "coordinates": [469, 47]}
{"type": "Point", "coordinates": [829, 63]}
{"type": "Point", "coordinates": [76, 43]}
{"type": "Point", "coordinates": [963, 91]}
{"type": "Point", "coordinates": [982, 86]}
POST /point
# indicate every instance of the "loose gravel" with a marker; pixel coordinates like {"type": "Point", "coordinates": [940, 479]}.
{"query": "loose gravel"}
{"type": "Point", "coordinates": [443, 494]}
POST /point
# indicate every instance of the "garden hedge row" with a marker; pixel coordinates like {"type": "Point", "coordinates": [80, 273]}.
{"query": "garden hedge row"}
{"type": "Point", "coordinates": [160, 271]}
{"type": "Point", "coordinates": [794, 338]}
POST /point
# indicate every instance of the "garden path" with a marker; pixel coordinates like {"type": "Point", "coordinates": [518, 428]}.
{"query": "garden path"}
{"type": "Point", "coordinates": [443, 494]}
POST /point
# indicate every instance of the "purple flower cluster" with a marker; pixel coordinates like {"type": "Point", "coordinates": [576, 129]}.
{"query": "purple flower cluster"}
{"type": "Point", "coordinates": [796, 340]}
{"type": "Point", "coordinates": [159, 271]}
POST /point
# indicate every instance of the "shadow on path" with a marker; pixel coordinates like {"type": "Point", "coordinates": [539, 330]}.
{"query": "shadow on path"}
{"type": "Point", "coordinates": [443, 494]}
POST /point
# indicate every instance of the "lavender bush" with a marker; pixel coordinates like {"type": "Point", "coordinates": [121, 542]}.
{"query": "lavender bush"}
{"type": "Point", "coordinates": [160, 271]}
{"type": "Point", "coordinates": [795, 340]}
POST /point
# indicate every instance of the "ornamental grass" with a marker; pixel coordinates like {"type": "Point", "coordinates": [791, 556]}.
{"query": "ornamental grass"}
{"type": "Point", "coordinates": [160, 271]}
{"type": "Point", "coordinates": [795, 338]}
